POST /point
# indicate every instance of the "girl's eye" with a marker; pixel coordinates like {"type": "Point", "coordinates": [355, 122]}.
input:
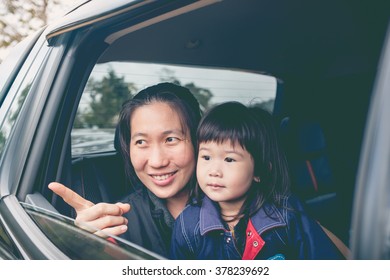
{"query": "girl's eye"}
{"type": "Point", "coordinates": [228, 159]}
{"type": "Point", "coordinates": [206, 157]}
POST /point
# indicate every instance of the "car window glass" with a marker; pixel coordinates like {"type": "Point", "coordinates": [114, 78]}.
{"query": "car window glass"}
{"type": "Point", "coordinates": [78, 243]}
{"type": "Point", "coordinates": [16, 102]}
{"type": "Point", "coordinates": [14, 59]}
{"type": "Point", "coordinates": [110, 84]}
{"type": "Point", "coordinates": [7, 249]}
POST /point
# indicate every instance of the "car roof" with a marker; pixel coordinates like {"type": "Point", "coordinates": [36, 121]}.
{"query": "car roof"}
{"type": "Point", "coordinates": [280, 38]}
{"type": "Point", "coordinates": [88, 12]}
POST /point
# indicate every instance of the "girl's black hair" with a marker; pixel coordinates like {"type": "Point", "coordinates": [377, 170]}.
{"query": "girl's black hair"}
{"type": "Point", "coordinates": [179, 98]}
{"type": "Point", "coordinates": [253, 129]}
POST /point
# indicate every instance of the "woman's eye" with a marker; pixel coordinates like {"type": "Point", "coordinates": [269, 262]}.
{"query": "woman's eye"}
{"type": "Point", "coordinates": [228, 159]}
{"type": "Point", "coordinates": [172, 140]}
{"type": "Point", "coordinates": [140, 142]}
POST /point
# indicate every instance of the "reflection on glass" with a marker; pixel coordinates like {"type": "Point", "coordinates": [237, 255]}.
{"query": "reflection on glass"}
{"type": "Point", "coordinates": [7, 249]}
{"type": "Point", "coordinates": [12, 115]}
{"type": "Point", "coordinates": [79, 243]}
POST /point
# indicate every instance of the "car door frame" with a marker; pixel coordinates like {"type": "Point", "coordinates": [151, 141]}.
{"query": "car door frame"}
{"type": "Point", "coordinates": [370, 230]}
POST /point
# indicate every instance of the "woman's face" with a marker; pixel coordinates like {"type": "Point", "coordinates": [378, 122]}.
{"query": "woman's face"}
{"type": "Point", "coordinates": [160, 151]}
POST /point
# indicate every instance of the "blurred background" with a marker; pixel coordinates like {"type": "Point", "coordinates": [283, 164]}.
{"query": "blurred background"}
{"type": "Point", "coordinates": [20, 18]}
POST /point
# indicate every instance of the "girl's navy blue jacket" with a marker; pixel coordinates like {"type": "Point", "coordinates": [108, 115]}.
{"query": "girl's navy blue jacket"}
{"type": "Point", "coordinates": [284, 232]}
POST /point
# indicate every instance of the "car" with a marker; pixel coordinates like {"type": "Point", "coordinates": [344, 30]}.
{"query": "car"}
{"type": "Point", "coordinates": [320, 67]}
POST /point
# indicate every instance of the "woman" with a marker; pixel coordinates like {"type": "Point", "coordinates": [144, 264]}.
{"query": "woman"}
{"type": "Point", "coordinates": [157, 130]}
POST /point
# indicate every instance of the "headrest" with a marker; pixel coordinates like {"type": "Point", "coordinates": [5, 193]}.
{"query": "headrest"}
{"type": "Point", "coordinates": [305, 147]}
{"type": "Point", "coordinates": [305, 136]}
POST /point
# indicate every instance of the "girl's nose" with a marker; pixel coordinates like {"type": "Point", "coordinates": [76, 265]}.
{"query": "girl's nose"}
{"type": "Point", "coordinates": [215, 172]}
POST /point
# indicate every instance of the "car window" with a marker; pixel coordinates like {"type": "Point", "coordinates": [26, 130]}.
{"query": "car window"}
{"type": "Point", "coordinates": [15, 99]}
{"type": "Point", "coordinates": [110, 84]}
{"type": "Point", "coordinates": [14, 60]}
{"type": "Point", "coordinates": [79, 243]}
{"type": "Point", "coordinates": [7, 249]}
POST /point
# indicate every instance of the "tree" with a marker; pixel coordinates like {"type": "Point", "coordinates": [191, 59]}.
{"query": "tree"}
{"type": "Point", "coordinates": [266, 105]}
{"type": "Point", "coordinates": [18, 19]}
{"type": "Point", "coordinates": [14, 113]}
{"type": "Point", "coordinates": [203, 95]}
{"type": "Point", "coordinates": [3, 139]}
{"type": "Point", "coordinates": [106, 99]}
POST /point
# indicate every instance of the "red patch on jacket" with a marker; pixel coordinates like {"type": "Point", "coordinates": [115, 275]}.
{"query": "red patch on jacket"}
{"type": "Point", "coordinates": [254, 243]}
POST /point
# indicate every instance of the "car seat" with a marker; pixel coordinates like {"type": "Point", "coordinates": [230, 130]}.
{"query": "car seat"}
{"type": "Point", "coordinates": [98, 178]}
{"type": "Point", "coordinates": [312, 178]}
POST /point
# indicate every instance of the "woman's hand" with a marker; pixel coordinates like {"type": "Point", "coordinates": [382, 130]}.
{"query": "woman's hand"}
{"type": "Point", "coordinates": [104, 216]}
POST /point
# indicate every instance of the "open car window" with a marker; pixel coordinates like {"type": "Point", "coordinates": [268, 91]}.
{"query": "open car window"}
{"type": "Point", "coordinates": [112, 83]}
{"type": "Point", "coordinates": [78, 242]}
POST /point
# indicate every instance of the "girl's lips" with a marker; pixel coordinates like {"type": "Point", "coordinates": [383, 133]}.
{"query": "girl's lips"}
{"type": "Point", "coordinates": [163, 179]}
{"type": "Point", "coordinates": [215, 186]}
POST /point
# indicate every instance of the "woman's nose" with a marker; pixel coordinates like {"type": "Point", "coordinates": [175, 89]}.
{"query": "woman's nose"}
{"type": "Point", "coordinates": [158, 157]}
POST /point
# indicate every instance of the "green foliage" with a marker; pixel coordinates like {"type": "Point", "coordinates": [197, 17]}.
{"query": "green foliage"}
{"type": "Point", "coordinates": [13, 113]}
{"type": "Point", "coordinates": [2, 141]}
{"type": "Point", "coordinates": [106, 99]}
{"type": "Point", "coordinates": [18, 19]}
{"type": "Point", "coordinates": [19, 104]}
{"type": "Point", "coordinates": [266, 105]}
{"type": "Point", "coordinates": [203, 95]}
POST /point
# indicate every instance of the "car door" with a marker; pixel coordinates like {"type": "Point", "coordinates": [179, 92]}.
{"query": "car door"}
{"type": "Point", "coordinates": [371, 220]}
{"type": "Point", "coordinates": [40, 99]}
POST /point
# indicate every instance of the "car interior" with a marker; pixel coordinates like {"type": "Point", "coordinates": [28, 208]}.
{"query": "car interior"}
{"type": "Point", "coordinates": [321, 59]}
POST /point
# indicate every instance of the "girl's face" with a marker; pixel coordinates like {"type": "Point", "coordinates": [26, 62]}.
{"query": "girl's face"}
{"type": "Point", "coordinates": [225, 172]}
{"type": "Point", "coordinates": [160, 151]}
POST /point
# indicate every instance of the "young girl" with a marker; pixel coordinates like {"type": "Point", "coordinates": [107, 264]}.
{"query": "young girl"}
{"type": "Point", "coordinates": [243, 208]}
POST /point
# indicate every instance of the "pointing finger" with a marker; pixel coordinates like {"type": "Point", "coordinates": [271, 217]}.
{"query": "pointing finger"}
{"type": "Point", "coordinates": [70, 197]}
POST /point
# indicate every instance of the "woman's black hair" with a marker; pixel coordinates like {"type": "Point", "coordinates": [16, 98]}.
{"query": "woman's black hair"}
{"type": "Point", "coordinates": [253, 129]}
{"type": "Point", "coordinates": [179, 98]}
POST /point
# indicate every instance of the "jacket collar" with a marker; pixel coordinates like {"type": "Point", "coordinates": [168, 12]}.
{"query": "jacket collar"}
{"type": "Point", "coordinates": [266, 218]}
{"type": "Point", "coordinates": [160, 209]}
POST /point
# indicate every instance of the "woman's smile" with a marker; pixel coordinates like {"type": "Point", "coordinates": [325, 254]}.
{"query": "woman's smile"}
{"type": "Point", "coordinates": [163, 179]}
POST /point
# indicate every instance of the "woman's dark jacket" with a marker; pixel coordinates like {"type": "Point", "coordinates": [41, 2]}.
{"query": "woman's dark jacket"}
{"type": "Point", "coordinates": [150, 223]}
